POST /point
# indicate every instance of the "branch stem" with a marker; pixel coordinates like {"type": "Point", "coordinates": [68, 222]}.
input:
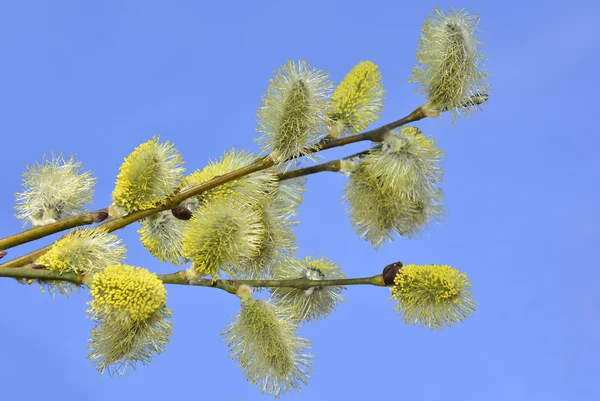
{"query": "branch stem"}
{"type": "Point", "coordinates": [332, 166]}
{"type": "Point", "coordinates": [179, 278]}
{"type": "Point", "coordinates": [43, 231]}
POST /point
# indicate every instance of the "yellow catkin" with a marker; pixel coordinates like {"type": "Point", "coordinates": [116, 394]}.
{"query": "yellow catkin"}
{"type": "Point", "coordinates": [83, 251]}
{"type": "Point", "coordinates": [357, 101]}
{"type": "Point", "coordinates": [127, 289]}
{"type": "Point", "coordinates": [432, 295]}
{"type": "Point", "coordinates": [147, 176]}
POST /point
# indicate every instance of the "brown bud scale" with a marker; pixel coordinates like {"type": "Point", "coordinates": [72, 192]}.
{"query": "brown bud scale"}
{"type": "Point", "coordinates": [390, 272]}
{"type": "Point", "coordinates": [99, 216]}
{"type": "Point", "coordinates": [182, 213]}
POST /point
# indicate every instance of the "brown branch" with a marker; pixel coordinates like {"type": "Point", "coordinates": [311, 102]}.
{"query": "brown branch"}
{"type": "Point", "coordinates": [333, 166]}
{"type": "Point", "coordinates": [375, 135]}
{"type": "Point", "coordinates": [43, 231]}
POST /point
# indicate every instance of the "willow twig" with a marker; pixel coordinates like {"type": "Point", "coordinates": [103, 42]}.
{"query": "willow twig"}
{"type": "Point", "coordinates": [43, 231]}
{"type": "Point", "coordinates": [375, 135]}
{"type": "Point", "coordinates": [333, 166]}
{"type": "Point", "coordinates": [179, 278]}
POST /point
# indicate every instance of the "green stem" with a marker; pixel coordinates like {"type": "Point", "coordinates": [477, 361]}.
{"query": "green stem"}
{"type": "Point", "coordinates": [179, 278]}
{"type": "Point", "coordinates": [28, 272]}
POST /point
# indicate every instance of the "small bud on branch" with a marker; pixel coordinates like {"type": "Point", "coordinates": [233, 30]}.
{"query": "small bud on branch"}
{"type": "Point", "coordinates": [390, 272]}
{"type": "Point", "coordinates": [182, 213]}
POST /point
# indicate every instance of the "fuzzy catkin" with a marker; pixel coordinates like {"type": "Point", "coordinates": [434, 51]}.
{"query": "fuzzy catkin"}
{"type": "Point", "coordinates": [294, 111]}
{"type": "Point", "coordinates": [54, 190]}
{"type": "Point", "coordinates": [450, 70]}
{"type": "Point", "coordinates": [263, 340]}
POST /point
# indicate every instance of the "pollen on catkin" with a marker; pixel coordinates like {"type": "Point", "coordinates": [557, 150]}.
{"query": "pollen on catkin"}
{"type": "Point", "coordinates": [250, 188]}
{"type": "Point", "coordinates": [450, 70]}
{"type": "Point", "coordinates": [126, 292]}
{"type": "Point", "coordinates": [432, 296]}
{"type": "Point", "coordinates": [220, 237]}
{"type": "Point", "coordinates": [395, 187]}
{"type": "Point", "coordinates": [294, 110]}
{"type": "Point", "coordinates": [117, 345]}
{"type": "Point", "coordinates": [314, 302]}
{"type": "Point", "coordinates": [83, 251]}
{"type": "Point", "coordinates": [147, 177]}
{"type": "Point", "coordinates": [262, 339]}
{"type": "Point", "coordinates": [162, 235]}
{"type": "Point", "coordinates": [358, 100]}
{"type": "Point", "coordinates": [128, 306]}
{"type": "Point", "coordinates": [54, 190]}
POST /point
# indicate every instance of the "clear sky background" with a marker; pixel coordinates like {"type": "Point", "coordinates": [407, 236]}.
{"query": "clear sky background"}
{"type": "Point", "coordinates": [522, 188]}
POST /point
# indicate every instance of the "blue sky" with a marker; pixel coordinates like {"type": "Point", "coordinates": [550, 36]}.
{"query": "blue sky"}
{"type": "Point", "coordinates": [522, 189]}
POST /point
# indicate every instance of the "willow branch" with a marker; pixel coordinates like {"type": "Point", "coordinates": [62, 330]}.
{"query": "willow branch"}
{"type": "Point", "coordinates": [374, 135]}
{"type": "Point", "coordinates": [43, 231]}
{"type": "Point", "coordinates": [179, 278]}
